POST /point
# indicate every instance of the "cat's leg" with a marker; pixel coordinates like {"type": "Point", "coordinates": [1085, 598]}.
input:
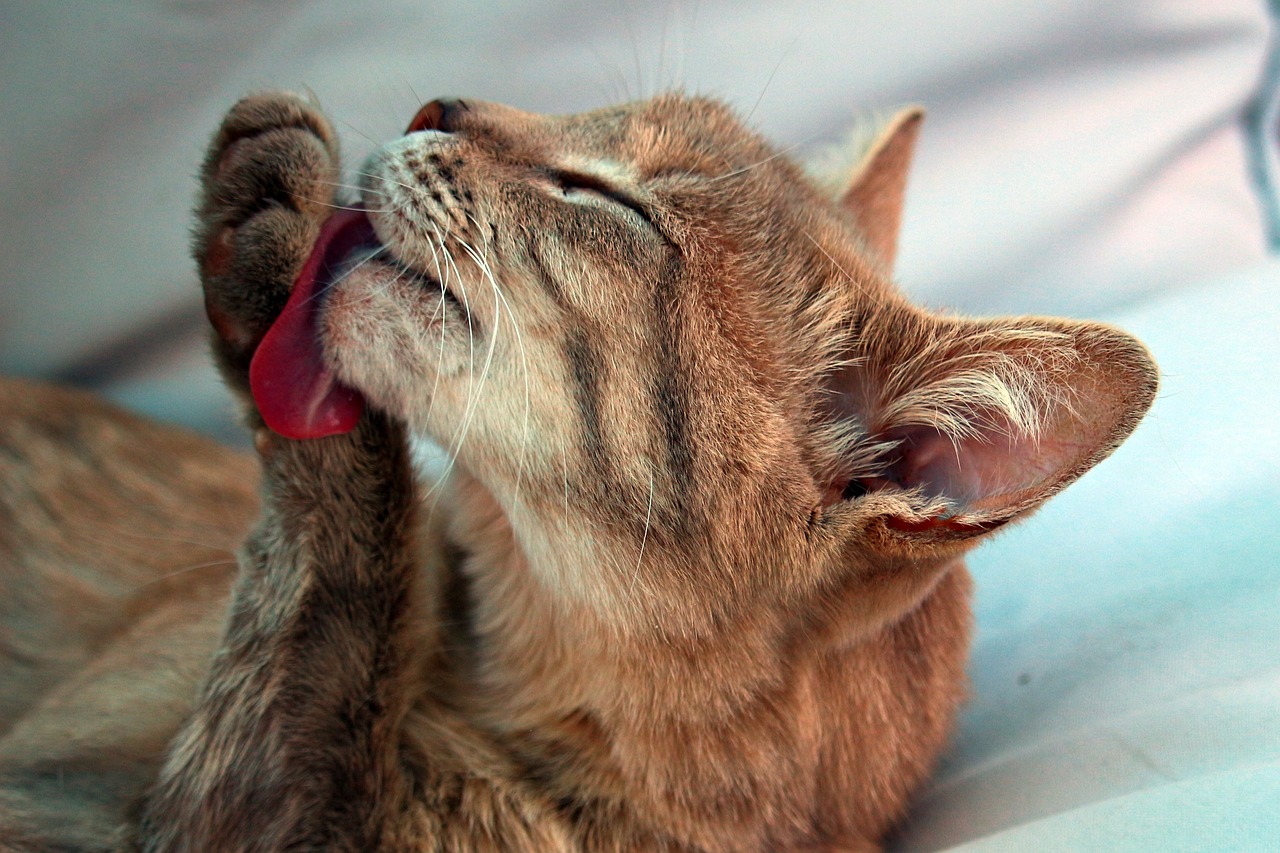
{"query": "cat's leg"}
{"type": "Point", "coordinates": [311, 732]}
{"type": "Point", "coordinates": [294, 742]}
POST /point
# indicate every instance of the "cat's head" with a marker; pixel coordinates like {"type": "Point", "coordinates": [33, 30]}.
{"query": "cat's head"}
{"type": "Point", "coordinates": [680, 366]}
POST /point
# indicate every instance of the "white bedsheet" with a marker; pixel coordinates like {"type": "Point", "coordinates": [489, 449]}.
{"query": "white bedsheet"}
{"type": "Point", "coordinates": [1081, 157]}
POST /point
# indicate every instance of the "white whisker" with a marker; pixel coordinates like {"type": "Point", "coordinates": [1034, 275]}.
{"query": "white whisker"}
{"type": "Point", "coordinates": [769, 81]}
{"type": "Point", "coordinates": [185, 570]}
{"type": "Point", "coordinates": [775, 156]}
{"type": "Point", "coordinates": [848, 275]}
{"type": "Point", "coordinates": [502, 301]}
{"type": "Point", "coordinates": [475, 388]}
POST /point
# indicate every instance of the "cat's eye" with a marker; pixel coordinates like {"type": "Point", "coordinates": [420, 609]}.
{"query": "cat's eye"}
{"type": "Point", "coordinates": [570, 182]}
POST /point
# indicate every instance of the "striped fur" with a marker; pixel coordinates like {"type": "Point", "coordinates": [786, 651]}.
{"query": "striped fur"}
{"type": "Point", "coordinates": [692, 579]}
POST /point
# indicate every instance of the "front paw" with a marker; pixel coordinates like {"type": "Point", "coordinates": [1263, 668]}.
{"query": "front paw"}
{"type": "Point", "coordinates": [267, 184]}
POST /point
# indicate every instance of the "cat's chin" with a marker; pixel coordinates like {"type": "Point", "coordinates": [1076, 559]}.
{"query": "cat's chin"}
{"type": "Point", "coordinates": [292, 384]}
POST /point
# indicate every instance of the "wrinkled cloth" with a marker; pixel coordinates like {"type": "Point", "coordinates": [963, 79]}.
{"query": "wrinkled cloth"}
{"type": "Point", "coordinates": [1102, 160]}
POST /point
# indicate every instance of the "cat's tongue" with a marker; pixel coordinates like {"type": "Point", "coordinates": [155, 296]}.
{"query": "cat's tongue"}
{"type": "Point", "coordinates": [295, 390]}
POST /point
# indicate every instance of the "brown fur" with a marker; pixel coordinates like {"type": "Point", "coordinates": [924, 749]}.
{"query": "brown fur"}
{"type": "Point", "coordinates": [693, 581]}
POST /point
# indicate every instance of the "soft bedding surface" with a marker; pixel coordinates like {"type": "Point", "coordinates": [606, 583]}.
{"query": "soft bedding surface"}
{"type": "Point", "coordinates": [1106, 160]}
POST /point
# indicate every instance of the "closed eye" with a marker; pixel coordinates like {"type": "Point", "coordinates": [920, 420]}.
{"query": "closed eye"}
{"type": "Point", "coordinates": [571, 182]}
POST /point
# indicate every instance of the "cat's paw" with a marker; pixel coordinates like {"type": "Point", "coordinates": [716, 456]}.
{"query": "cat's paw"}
{"type": "Point", "coordinates": [267, 184]}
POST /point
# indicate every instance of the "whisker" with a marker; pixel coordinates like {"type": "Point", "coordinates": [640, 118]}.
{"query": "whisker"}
{"type": "Point", "coordinates": [414, 92]}
{"type": "Point", "coordinates": [442, 278]}
{"type": "Point", "coordinates": [342, 185]}
{"type": "Point", "coordinates": [620, 90]}
{"type": "Point", "coordinates": [415, 189]}
{"type": "Point", "coordinates": [635, 57]}
{"type": "Point", "coordinates": [185, 570]}
{"type": "Point", "coordinates": [482, 262]}
{"type": "Point", "coordinates": [357, 206]}
{"type": "Point", "coordinates": [351, 127]}
{"type": "Point", "coordinates": [776, 155]}
{"type": "Point", "coordinates": [769, 81]}
{"type": "Point", "coordinates": [340, 279]}
{"type": "Point", "coordinates": [117, 530]}
{"type": "Point", "coordinates": [848, 275]}
{"type": "Point", "coordinates": [474, 388]}
{"type": "Point", "coordinates": [401, 275]}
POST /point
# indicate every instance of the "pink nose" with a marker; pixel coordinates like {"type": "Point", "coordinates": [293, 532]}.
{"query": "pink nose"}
{"type": "Point", "coordinates": [437, 115]}
{"type": "Point", "coordinates": [427, 118]}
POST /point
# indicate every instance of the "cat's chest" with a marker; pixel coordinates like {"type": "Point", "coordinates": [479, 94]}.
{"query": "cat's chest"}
{"type": "Point", "coordinates": [795, 749]}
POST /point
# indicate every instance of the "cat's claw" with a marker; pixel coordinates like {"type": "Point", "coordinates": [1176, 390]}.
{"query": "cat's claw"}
{"type": "Point", "coordinates": [267, 184]}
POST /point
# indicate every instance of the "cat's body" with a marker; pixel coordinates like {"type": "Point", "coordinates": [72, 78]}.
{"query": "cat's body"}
{"type": "Point", "coordinates": [694, 582]}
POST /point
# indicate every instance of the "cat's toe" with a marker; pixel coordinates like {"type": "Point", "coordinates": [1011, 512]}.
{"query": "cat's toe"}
{"type": "Point", "coordinates": [267, 184]}
{"type": "Point", "coordinates": [270, 149]}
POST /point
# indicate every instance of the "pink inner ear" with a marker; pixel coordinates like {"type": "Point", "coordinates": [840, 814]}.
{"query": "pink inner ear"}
{"type": "Point", "coordinates": [974, 472]}
{"type": "Point", "coordinates": [294, 388]}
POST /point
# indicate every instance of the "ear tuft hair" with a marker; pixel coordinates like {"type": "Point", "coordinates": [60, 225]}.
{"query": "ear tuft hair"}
{"type": "Point", "coordinates": [869, 176]}
{"type": "Point", "coordinates": [986, 419]}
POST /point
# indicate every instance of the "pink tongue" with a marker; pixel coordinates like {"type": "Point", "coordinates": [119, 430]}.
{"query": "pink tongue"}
{"type": "Point", "coordinates": [295, 390]}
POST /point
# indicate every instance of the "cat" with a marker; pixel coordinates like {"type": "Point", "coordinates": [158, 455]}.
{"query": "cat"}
{"type": "Point", "coordinates": [692, 578]}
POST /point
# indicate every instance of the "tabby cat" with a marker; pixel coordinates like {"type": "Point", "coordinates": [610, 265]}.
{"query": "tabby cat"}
{"type": "Point", "coordinates": [691, 578]}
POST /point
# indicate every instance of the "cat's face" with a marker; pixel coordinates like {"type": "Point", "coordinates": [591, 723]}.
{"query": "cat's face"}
{"type": "Point", "coordinates": [646, 333]}
{"type": "Point", "coordinates": [603, 310]}
{"type": "Point", "coordinates": [551, 243]}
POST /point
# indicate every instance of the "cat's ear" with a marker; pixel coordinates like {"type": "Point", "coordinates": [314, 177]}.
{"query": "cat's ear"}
{"type": "Point", "coordinates": [960, 426]}
{"type": "Point", "coordinates": [877, 186]}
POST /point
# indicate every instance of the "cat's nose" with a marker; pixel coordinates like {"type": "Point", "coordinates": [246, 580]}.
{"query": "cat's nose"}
{"type": "Point", "coordinates": [441, 114]}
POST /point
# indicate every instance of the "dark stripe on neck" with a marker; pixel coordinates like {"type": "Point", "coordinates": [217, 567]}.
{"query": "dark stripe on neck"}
{"type": "Point", "coordinates": [671, 401]}
{"type": "Point", "coordinates": [549, 282]}
{"type": "Point", "coordinates": [584, 366]}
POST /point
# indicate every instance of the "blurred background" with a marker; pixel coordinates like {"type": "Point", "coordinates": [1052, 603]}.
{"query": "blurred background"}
{"type": "Point", "coordinates": [1094, 159]}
